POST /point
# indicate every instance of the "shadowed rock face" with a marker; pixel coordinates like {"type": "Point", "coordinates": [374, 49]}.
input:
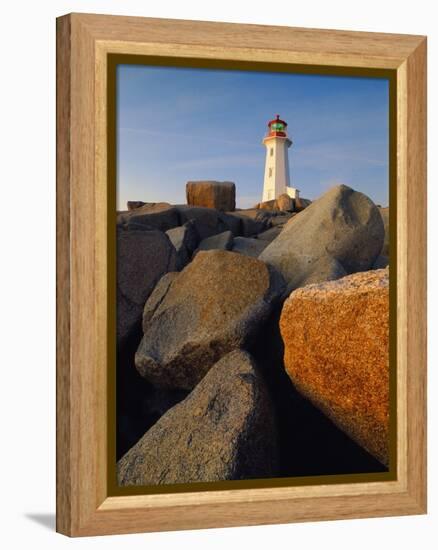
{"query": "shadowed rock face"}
{"type": "Point", "coordinates": [384, 212]}
{"type": "Point", "coordinates": [215, 305]}
{"type": "Point", "coordinates": [142, 258]}
{"type": "Point", "coordinates": [343, 225]}
{"type": "Point", "coordinates": [301, 204]}
{"type": "Point", "coordinates": [208, 221]}
{"type": "Point", "coordinates": [223, 430]}
{"type": "Point", "coordinates": [336, 338]}
{"type": "Point", "coordinates": [212, 194]}
{"type": "Point", "coordinates": [282, 219]}
{"type": "Point", "coordinates": [381, 262]}
{"type": "Point", "coordinates": [185, 239]}
{"type": "Point", "coordinates": [252, 222]}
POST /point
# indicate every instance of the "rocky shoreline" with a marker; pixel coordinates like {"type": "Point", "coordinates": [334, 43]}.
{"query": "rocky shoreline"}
{"type": "Point", "coordinates": [251, 343]}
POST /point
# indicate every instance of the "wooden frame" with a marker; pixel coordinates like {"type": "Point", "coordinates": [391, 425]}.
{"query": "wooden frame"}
{"type": "Point", "coordinates": [83, 504]}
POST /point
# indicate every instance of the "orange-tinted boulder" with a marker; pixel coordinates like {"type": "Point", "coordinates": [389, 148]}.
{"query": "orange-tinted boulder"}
{"type": "Point", "coordinates": [285, 203]}
{"type": "Point", "coordinates": [212, 194]}
{"type": "Point", "coordinates": [336, 337]}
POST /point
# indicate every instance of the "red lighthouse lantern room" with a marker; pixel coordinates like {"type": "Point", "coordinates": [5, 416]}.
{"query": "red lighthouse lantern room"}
{"type": "Point", "coordinates": [277, 127]}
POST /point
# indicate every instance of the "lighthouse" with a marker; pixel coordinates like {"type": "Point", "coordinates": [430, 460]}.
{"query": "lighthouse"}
{"type": "Point", "coordinates": [277, 178]}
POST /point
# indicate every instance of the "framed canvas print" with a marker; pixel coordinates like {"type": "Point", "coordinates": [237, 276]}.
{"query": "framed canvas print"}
{"type": "Point", "coordinates": [241, 277]}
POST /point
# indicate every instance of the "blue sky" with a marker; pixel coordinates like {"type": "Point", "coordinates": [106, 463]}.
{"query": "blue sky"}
{"type": "Point", "coordinates": [176, 125]}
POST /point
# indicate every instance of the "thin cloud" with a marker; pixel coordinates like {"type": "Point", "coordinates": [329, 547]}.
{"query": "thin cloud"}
{"type": "Point", "coordinates": [186, 135]}
{"type": "Point", "coordinates": [218, 162]}
{"type": "Point", "coordinates": [328, 154]}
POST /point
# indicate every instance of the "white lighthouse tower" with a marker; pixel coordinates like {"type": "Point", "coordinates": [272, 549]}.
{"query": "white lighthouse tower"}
{"type": "Point", "coordinates": [277, 179]}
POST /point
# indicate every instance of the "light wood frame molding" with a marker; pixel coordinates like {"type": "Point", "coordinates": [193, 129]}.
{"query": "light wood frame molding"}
{"type": "Point", "coordinates": [83, 44]}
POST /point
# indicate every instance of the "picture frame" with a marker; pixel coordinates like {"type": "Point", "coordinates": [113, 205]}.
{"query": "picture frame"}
{"type": "Point", "coordinates": [87, 47]}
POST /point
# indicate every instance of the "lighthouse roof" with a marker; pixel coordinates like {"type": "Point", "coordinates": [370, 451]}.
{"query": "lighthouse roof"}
{"type": "Point", "coordinates": [277, 128]}
{"type": "Point", "coordinates": [277, 120]}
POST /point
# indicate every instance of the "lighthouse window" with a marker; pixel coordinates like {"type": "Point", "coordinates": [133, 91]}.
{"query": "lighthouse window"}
{"type": "Point", "coordinates": [277, 127]}
{"type": "Point", "coordinates": [270, 172]}
{"type": "Point", "coordinates": [272, 151]}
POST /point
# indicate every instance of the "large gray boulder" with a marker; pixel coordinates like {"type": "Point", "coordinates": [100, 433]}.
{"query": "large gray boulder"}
{"type": "Point", "coordinates": [161, 216]}
{"type": "Point", "coordinates": [255, 214]}
{"type": "Point", "coordinates": [132, 205]}
{"type": "Point", "coordinates": [212, 194]}
{"type": "Point", "coordinates": [221, 241]}
{"type": "Point", "coordinates": [223, 430]}
{"type": "Point", "coordinates": [185, 240]}
{"type": "Point", "coordinates": [342, 232]}
{"type": "Point", "coordinates": [157, 296]}
{"type": "Point", "coordinates": [252, 221]}
{"type": "Point", "coordinates": [282, 219]}
{"type": "Point", "coordinates": [136, 208]}
{"type": "Point", "coordinates": [208, 221]}
{"type": "Point", "coordinates": [231, 223]}
{"type": "Point", "coordinates": [249, 246]}
{"type": "Point", "coordinates": [323, 269]}
{"type": "Point", "coordinates": [216, 304]}
{"type": "Point", "coordinates": [142, 258]}
{"type": "Point", "coordinates": [270, 234]}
